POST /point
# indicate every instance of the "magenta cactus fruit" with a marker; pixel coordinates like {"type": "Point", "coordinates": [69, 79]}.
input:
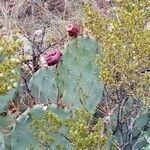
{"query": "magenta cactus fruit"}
{"type": "Point", "coordinates": [73, 30]}
{"type": "Point", "coordinates": [53, 57]}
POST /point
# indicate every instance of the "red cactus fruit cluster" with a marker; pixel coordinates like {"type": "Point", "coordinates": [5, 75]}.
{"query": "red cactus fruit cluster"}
{"type": "Point", "coordinates": [73, 30]}
{"type": "Point", "coordinates": [53, 57]}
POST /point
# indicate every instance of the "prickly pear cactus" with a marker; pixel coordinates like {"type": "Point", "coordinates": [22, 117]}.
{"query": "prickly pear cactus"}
{"type": "Point", "coordinates": [6, 124]}
{"type": "Point", "coordinates": [77, 74]}
{"type": "Point", "coordinates": [43, 86]}
{"type": "Point", "coordinates": [22, 138]}
{"type": "Point", "coordinates": [140, 128]}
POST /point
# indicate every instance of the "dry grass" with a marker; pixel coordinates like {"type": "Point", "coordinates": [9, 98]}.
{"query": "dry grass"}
{"type": "Point", "coordinates": [55, 14]}
{"type": "Point", "coordinates": [16, 16]}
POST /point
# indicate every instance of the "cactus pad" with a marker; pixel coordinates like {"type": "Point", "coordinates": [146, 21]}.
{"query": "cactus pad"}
{"type": "Point", "coordinates": [77, 74]}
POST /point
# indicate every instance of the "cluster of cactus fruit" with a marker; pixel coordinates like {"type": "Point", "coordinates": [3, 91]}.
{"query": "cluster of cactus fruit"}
{"type": "Point", "coordinates": [53, 57]}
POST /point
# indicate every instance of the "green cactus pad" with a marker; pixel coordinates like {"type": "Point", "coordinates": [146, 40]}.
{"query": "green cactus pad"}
{"type": "Point", "coordinates": [6, 128]}
{"type": "Point", "coordinates": [22, 138]}
{"type": "Point", "coordinates": [2, 145]}
{"type": "Point", "coordinates": [43, 86]}
{"type": "Point", "coordinates": [5, 99]}
{"type": "Point", "coordinates": [77, 74]}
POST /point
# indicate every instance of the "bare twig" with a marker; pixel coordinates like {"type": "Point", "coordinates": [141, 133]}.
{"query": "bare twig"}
{"type": "Point", "coordinates": [27, 87]}
{"type": "Point", "coordinates": [42, 40]}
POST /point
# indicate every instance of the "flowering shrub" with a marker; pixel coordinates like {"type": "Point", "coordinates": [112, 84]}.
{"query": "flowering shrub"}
{"type": "Point", "coordinates": [125, 40]}
{"type": "Point", "coordinates": [9, 61]}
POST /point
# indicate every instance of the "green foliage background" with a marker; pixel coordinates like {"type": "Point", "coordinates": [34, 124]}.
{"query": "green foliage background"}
{"type": "Point", "coordinates": [125, 40]}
